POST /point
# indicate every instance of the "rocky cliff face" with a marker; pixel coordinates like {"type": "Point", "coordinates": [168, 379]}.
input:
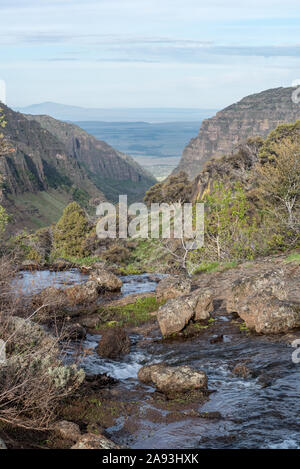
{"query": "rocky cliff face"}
{"type": "Point", "coordinates": [111, 171]}
{"type": "Point", "coordinates": [255, 115]}
{"type": "Point", "coordinates": [51, 163]}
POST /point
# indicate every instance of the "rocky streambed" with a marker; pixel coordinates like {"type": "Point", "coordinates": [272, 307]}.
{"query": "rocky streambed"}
{"type": "Point", "coordinates": [252, 398]}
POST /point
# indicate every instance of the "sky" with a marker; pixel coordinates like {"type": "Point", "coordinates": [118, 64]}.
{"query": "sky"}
{"type": "Point", "coordinates": [147, 53]}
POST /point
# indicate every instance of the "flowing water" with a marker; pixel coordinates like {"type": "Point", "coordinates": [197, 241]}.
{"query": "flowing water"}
{"type": "Point", "coordinates": [259, 412]}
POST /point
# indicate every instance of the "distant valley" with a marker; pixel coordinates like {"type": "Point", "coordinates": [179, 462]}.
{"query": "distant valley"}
{"type": "Point", "coordinates": [157, 147]}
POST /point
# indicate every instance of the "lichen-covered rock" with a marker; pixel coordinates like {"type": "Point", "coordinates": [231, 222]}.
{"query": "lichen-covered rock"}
{"type": "Point", "coordinates": [67, 430]}
{"type": "Point", "coordinates": [106, 281]}
{"type": "Point", "coordinates": [114, 342]}
{"type": "Point", "coordinates": [266, 314]}
{"type": "Point", "coordinates": [247, 286]}
{"type": "Point", "coordinates": [83, 293]}
{"type": "Point", "coordinates": [175, 315]}
{"type": "Point", "coordinates": [173, 380]}
{"type": "Point", "coordinates": [90, 441]}
{"type": "Point", "coordinates": [264, 301]}
{"type": "Point", "coordinates": [204, 304]}
{"type": "Point", "coordinates": [172, 287]}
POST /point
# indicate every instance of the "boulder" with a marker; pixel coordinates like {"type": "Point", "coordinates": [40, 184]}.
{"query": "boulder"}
{"type": "Point", "coordinates": [67, 430]}
{"type": "Point", "coordinates": [173, 287]}
{"type": "Point", "coordinates": [174, 316]}
{"type": "Point", "coordinates": [83, 293]}
{"type": "Point", "coordinates": [106, 281]}
{"type": "Point", "coordinates": [266, 314]}
{"type": "Point", "coordinates": [242, 371]}
{"type": "Point", "coordinates": [173, 380]}
{"type": "Point", "coordinates": [247, 286]}
{"type": "Point", "coordinates": [91, 441]}
{"type": "Point", "coordinates": [114, 343]}
{"type": "Point", "coordinates": [264, 303]}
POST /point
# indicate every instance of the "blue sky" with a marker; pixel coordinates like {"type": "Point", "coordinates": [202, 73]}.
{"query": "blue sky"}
{"type": "Point", "coordinates": [147, 53]}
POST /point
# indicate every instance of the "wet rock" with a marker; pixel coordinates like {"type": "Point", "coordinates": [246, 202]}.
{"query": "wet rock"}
{"type": "Point", "coordinates": [96, 382]}
{"type": "Point", "coordinates": [114, 343]}
{"type": "Point", "coordinates": [106, 281]}
{"type": "Point", "coordinates": [175, 315]}
{"type": "Point", "coordinates": [173, 381]}
{"type": "Point", "coordinates": [242, 371]}
{"type": "Point", "coordinates": [84, 293]}
{"type": "Point", "coordinates": [173, 287]}
{"type": "Point", "coordinates": [90, 441]}
{"type": "Point", "coordinates": [75, 331]}
{"type": "Point", "coordinates": [203, 415]}
{"type": "Point", "coordinates": [2, 444]}
{"type": "Point", "coordinates": [217, 340]}
{"type": "Point", "coordinates": [67, 430]}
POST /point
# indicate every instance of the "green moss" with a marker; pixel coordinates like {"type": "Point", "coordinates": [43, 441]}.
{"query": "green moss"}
{"type": "Point", "coordinates": [294, 257]}
{"type": "Point", "coordinates": [131, 314]}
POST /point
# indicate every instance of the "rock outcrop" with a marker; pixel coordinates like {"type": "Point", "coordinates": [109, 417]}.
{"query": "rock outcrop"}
{"type": "Point", "coordinates": [172, 287]}
{"type": "Point", "coordinates": [67, 430]}
{"type": "Point", "coordinates": [175, 315]}
{"type": "Point", "coordinates": [173, 381]}
{"type": "Point", "coordinates": [265, 301]}
{"type": "Point", "coordinates": [255, 115]}
{"type": "Point", "coordinates": [106, 281]}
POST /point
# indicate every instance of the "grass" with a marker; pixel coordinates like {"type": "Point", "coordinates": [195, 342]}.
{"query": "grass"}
{"type": "Point", "coordinates": [211, 267]}
{"type": "Point", "coordinates": [83, 260]}
{"type": "Point", "coordinates": [294, 257]}
{"type": "Point", "coordinates": [131, 314]}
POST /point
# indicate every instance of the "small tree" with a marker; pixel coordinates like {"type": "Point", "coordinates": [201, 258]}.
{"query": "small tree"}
{"type": "Point", "coordinates": [229, 230]}
{"type": "Point", "coordinates": [279, 183]}
{"type": "Point", "coordinates": [71, 231]}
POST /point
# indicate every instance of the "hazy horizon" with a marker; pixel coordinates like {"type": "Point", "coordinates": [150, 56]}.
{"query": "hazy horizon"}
{"type": "Point", "coordinates": [140, 54]}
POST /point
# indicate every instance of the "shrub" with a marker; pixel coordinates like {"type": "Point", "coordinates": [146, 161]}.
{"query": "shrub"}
{"type": "Point", "coordinates": [71, 231]}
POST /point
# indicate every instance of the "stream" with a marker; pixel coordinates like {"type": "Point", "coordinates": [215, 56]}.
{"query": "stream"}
{"type": "Point", "coordinates": [259, 412]}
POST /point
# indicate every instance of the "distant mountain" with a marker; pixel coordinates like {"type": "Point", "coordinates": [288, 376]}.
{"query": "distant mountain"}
{"type": "Point", "coordinates": [76, 113]}
{"type": "Point", "coordinates": [51, 163]}
{"type": "Point", "coordinates": [255, 115]}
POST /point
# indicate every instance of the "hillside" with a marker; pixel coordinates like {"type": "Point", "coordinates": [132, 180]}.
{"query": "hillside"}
{"type": "Point", "coordinates": [255, 115]}
{"type": "Point", "coordinates": [111, 171]}
{"type": "Point", "coordinates": [48, 166]}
